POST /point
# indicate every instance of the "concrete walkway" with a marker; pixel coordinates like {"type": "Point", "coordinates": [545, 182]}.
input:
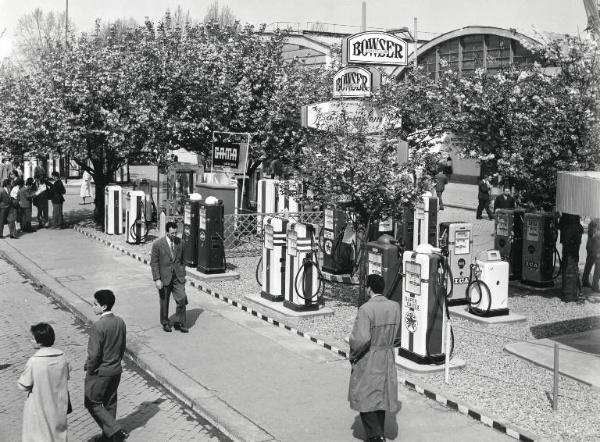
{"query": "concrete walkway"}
{"type": "Point", "coordinates": [254, 381]}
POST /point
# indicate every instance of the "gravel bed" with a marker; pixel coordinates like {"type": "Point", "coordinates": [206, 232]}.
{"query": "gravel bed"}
{"type": "Point", "coordinates": [493, 382]}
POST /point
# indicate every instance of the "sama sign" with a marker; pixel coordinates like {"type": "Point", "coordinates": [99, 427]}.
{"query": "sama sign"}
{"type": "Point", "coordinates": [230, 151]}
{"type": "Point", "coordinates": [352, 82]}
{"type": "Point", "coordinates": [374, 47]}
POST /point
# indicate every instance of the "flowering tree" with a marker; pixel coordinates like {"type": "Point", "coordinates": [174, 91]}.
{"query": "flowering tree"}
{"type": "Point", "coordinates": [527, 123]}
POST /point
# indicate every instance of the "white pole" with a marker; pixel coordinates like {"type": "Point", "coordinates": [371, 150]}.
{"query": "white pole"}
{"type": "Point", "coordinates": [364, 17]}
{"type": "Point", "coordinates": [556, 373]}
{"type": "Point", "coordinates": [416, 43]}
{"type": "Point", "coordinates": [447, 351]}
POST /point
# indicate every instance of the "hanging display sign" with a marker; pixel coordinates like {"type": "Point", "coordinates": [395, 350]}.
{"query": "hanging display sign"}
{"type": "Point", "coordinates": [375, 47]}
{"type": "Point", "coordinates": [352, 82]}
{"type": "Point", "coordinates": [230, 151]}
{"type": "Point", "coordinates": [356, 116]}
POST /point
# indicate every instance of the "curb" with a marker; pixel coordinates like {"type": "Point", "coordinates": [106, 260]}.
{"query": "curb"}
{"type": "Point", "coordinates": [468, 410]}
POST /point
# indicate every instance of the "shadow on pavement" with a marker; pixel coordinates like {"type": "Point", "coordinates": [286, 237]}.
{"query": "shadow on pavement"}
{"type": "Point", "coordinates": [191, 316]}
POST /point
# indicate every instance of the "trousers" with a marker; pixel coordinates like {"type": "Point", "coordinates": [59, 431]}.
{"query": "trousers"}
{"type": "Point", "coordinates": [101, 401]}
{"type": "Point", "coordinates": [164, 296]}
{"type": "Point", "coordinates": [374, 424]}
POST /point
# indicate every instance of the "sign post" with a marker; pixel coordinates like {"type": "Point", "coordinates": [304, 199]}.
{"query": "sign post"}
{"type": "Point", "coordinates": [230, 154]}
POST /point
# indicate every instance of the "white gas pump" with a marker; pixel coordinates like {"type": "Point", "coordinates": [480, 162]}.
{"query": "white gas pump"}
{"type": "Point", "coordinates": [303, 281]}
{"type": "Point", "coordinates": [456, 242]}
{"type": "Point", "coordinates": [268, 199]}
{"type": "Point", "coordinates": [488, 289]}
{"type": "Point", "coordinates": [423, 305]}
{"type": "Point", "coordinates": [113, 210]}
{"type": "Point", "coordinates": [273, 258]}
{"type": "Point", "coordinates": [287, 203]}
{"type": "Point", "coordinates": [425, 224]}
{"type": "Point", "coordinates": [135, 217]}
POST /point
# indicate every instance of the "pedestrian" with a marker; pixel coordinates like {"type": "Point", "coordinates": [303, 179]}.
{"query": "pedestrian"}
{"type": "Point", "coordinates": [448, 170]}
{"type": "Point", "coordinates": [373, 383]}
{"type": "Point", "coordinates": [86, 186]}
{"type": "Point", "coordinates": [590, 260]}
{"type": "Point", "coordinates": [168, 272]}
{"type": "Point", "coordinates": [483, 197]}
{"type": "Point", "coordinates": [40, 199]}
{"type": "Point", "coordinates": [505, 200]}
{"type": "Point", "coordinates": [25, 201]}
{"type": "Point", "coordinates": [14, 200]}
{"type": "Point", "coordinates": [7, 211]}
{"type": "Point", "coordinates": [56, 194]}
{"type": "Point", "coordinates": [440, 185]}
{"type": "Point", "coordinates": [106, 347]}
{"type": "Point", "coordinates": [4, 169]}
{"type": "Point", "coordinates": [14, 176]}
{"type": "Point", "coordinates": [45, 379]}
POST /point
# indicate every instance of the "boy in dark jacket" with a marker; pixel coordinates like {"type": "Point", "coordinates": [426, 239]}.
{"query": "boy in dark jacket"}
{"type": "Point", "coordinates": [56, 192]}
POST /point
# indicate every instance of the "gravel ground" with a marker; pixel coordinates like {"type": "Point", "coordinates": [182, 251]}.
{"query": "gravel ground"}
{"type": "Point", "coordinates": [493, 382]}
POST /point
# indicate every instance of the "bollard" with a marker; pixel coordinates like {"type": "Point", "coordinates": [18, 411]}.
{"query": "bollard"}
{"type": "Point", "coordinates": [556, 373]}
{"type": "Point", "coordinates": [447, 351]}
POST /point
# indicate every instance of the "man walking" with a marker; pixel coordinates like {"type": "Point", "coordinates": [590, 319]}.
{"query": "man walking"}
{"type": "Point", "coordinates": [440, 185]}
{"type": "Point", "coordinates": [168, 272]}
{"type": "Point", "coordinates": [373, 384]}
{"type": "Point", "coordinates": [106, 347]}
{"type": "Point", "coordinates": [483, 196]}
{"type": "Point", "coordinates": [5, 206]}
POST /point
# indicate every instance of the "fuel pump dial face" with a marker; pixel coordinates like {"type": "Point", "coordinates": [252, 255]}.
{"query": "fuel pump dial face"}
{"type": "Point", "coordinates": [269, 236]}
{"type": "Point", "coordinates": [413, 278]}
{"type": "Point", "coordinates": [292, 242]}
{"type": "Point", "coordinates": [462, 242]}
{"type": "Point", "coordinates": [375, 262]}
{"type": "Point", "coordinates": [202, 218]}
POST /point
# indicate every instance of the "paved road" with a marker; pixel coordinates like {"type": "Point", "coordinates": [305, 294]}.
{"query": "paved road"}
{"type": "Point", "coordinates": [145, 409]}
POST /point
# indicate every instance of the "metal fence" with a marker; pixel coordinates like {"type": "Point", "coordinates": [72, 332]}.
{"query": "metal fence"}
{"type": "Point", "coordinates": [243, 232]}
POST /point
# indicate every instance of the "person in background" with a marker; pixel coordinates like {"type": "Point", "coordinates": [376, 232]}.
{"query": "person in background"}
{"type": "Point", "coordinates": [373, 386]}
{"type": "Point", "coordinates": [45, 379]}
{"type": "Point", "coordinates": [106, 347]}
{"type": "Point", "coordinates": [483, 197]}
{"type": "Point", "coordinates": [14, 200]}
{"type": "Point", "coordinates": [14, 176]}
{"type": "Point", "coordinates": [40, 199]}
{"type": "Point", "coordinates": [25, 201]}
{"type": "Point", "coordinates": [590, 260]}
{"type": "Point", "coordinates": [6, 207]}
{"type": "Point", "coordinates": [5, 169]}
{"type": "Point", "coordinates": [448, 170]}
{"type": "Point", "coordinates": [56, 194]}
{"type": "Point", "coordinates": [86, 186]}
{"type": "Point", "coordinates": [505, 200]}
{"type": "Point", "coordinates": [440, 185]}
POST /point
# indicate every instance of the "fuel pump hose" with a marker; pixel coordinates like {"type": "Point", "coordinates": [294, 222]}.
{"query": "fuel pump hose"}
{"type": "Point", "coordinates": [442, 284]}
{"type": "Point", "coordinates": [474, 281]}
{"type": "Point", "coordinates": [139, 237]}
{"type": "Point", "coordinates": [307, 263]}
{"type": "Point", "coordinates": [259, 271]}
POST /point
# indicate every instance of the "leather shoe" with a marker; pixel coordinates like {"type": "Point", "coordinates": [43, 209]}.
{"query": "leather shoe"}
{"type": "Point", "coordinates": [119, 436]}
{"type": "Point", "coordinates": [167, 328]}
{"type": "Point", "coordinates": [183, 329]}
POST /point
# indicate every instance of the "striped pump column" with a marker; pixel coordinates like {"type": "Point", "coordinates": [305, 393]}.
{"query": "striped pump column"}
{"type": "Point", "coordinates": [268, 199]}
{"type": "Point", "coordinates": [113, 210]}
{"type": "Point", "coordinates": [423, 312]}
{"type": "Point", "coordinates": [273, 258]}
{"type": "Point", "coordinates": [301, 282]}
{"type": "Point", "coordinates": [425, 221]}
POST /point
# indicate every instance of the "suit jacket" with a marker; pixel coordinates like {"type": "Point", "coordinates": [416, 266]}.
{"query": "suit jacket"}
{"type": "Point", "coordinates": [106, 346]}
{"type": "Point", "coordinates": [504, 202]}
{"type": "Point", "coordinates": [4, 199]}
{"type": "Point", "coordinates": [163, 264]}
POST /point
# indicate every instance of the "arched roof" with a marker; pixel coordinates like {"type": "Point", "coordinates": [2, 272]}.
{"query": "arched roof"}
{"type": "Point", "coordinates": [423, 50]}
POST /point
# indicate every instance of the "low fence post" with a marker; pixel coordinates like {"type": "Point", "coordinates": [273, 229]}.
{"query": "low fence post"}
{"type": "Point", "coordinates": [556, 375]}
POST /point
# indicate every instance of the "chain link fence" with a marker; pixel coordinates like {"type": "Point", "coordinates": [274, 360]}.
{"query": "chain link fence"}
{"type": "Point", "coordinates": [243, 232]}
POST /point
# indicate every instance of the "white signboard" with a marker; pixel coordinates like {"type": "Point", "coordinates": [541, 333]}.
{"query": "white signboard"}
{"type": "Point", "coordinates": [352, 82]}
{"type": "Point", "coordinates": [375, 47]}
{"type": "Point", "coordinates": [357, 116]}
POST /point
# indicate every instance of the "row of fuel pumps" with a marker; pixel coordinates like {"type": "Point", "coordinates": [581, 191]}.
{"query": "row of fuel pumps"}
{"type": "Point", "coordinates": [129, 213]}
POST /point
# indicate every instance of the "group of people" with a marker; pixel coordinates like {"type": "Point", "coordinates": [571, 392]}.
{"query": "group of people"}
{"type": "Point", "coordinates": [18, 196]}
{"type": "Point", "coordinates": [46, 375]}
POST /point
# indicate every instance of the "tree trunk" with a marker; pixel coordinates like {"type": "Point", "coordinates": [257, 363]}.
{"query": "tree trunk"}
{"type": "Point", "coordinates": [570, 237]}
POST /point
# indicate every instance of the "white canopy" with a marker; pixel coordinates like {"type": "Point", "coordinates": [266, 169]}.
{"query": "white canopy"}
{"type": "Point", "coordinates": [578, 193]}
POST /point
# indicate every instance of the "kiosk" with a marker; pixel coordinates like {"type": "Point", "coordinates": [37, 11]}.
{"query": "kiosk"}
{"type": "Point", "coordinates": [113, 209]}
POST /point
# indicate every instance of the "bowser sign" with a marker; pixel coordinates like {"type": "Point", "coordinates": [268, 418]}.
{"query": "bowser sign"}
{"type": "Point", "coordinates": [375, 47]}
{"type": "Point", "coordinates": [352, 82]}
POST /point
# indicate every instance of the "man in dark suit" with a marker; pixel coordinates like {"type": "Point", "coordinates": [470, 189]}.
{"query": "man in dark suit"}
{"type": "Point", "coordinates": [106, 347]}
{"type": "Point", "coordinates": [168, 273]}
{"type": "Point", "coordinates": [504, 201]}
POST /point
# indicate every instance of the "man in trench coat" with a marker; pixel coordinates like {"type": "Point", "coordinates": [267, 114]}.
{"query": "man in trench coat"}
{"type": "Point", "coordinates": [373, 381]}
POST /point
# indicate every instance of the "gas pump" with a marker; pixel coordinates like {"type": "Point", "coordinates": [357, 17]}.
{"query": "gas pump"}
{"type": "Point", "coordinates": [488, 289]}
{"type": "Point", "coordinates": [405, 228]}
{"type": "Point", "coordinates": [146, 187]}
{"type": "Point", "coordinates": [113, 210]}
{"type": "Point", "coordinates": [425, 224]}
{"type": "Point", "coordinates": [456, 242]}
{"type": "Point", "coordinates": [337, 255]}
{"type": "Point", "coordinates": [122, 174]}
{"type": "Point", "coordinates": [135, 217]}
{"type": "Point", "coordinates": [191, 209]}
{"type": "Point", "coordinates": [383, 258]}
{"type": "Point", "coordinates": [274, 258]}
{"type": "Point", "coordinates": [509, 239]}
{"type": "Point", "coordinates": [211, 248]}
{"type": "Point", "coordinates": [383, 227]}
{"type": "Point", "coordinates": [424, 310]}
{"type": "Point", "coordinates": [268, 199]}
{"type": "Point", "coordinates": [303, 281]}
{"type": "Point", "coordinates": [539, 249]}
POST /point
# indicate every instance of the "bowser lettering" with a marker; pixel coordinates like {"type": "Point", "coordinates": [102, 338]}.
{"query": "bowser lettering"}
{"type": "Point", "coordinates": [377, 47]}
{"type": "Point", "coordinates": [352, 81]}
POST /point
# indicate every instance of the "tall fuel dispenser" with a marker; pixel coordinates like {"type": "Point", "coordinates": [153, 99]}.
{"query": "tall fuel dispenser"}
{"type": "Point", "coordinates": [191, 213]}
{"type": "Point", "coordinates": [383, 258]}
{"type": "Point", "coordinates": [146, 186]}
{"type": "Point", "coordinates": [488, 289]}
{"type": "Point", "coordinates": [136, 228]}
{"type": "Point", "coordinates": [268, 199]}
{"type": "Point", "coordinates": [274, 258]}
{"type": "Point", "coordinates": [211, 247]}
{"type": "Point", "coordinates": [456, 242]}
{"type": "Point", "coordinates": [509, 239]}
{"type": "Point", "coordinates": [405, 228]}
{"type": "Point", "coordinates": [338, 256]}
{"type": "Point", "coordinates": [425, 220]}
{"type": "Point", "coordinates": [303, 283]}
{"type": "Point", "coordinates": [424, 312]}
{"type": "Point", "coordinates": [539, 249]}
{"type": "Point", "coordinates": [113, 209]}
